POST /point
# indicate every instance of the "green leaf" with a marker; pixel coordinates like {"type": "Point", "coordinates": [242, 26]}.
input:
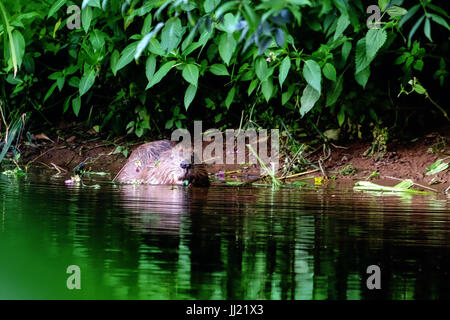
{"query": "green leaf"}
{"type": "Point", "coordinates": [76, 105]}
{"type": "Point", "coordinates": [342, 24]}
{"type": "Point", "coordinates": [227, 6]}
{"type": "Point", "coordinates": [147, 25]}
{"type": "Point", "coordinates": [267, 88]}
{"type": "Point", "coordinates": [97, 39]}
{"type": "Point", "coordinates": [229, 22]}
{"type": "Point", "coordinates": [427, 29]}
{"type": "Point", "coordinates": [144, 42]}
{"type": "Point", "coordinates": [375, 39]}
{"type": "Point", "coordinates": [188, 40]}
{"type": "Point", "coordinates": [86, 18]}
{"type": "Point", "coordinates": [230, 97]}
{"type": "Point", "coordinates": [87, 81]}
{"type": "Point", "coordinates": [50, 91]}
{"type": "Point", "coordinates": [66, 104]}
{"type": "Point", "coordinates": [261, 69]}
{"type": "Point", "coordinates": [219, 70]}
{"type": "Point", "coordinates": [169, 124]}
{"type": "Point", "coordinates": [412, 11]}
{"type": "Point", "coordinates": [227, 46]}
{"type": "Point", "coordinates": [60, 83]}
{"type": "Point", "coordinates": [280, 37]}
{"type": "Point", "coordinates": [19, 46]}
{"type": "Point", "coordinates": [308, 100]}
{"type": "Point", "coordinates": [12, 49]}
{"type": "Point", "coordinates": [204, 37]}
{"type": "Point", "coordinates": [74, 82]}
{"type": "Point", "coordinates": [437, 9]}
{"type": "Point", "coordinates": [362, 60]}
{"type": "Point", "coordinates": [190, 74]}
{"type": "Point", "coordinates": [335, 91]}
{"type": "Point", "coordinates": [286, 96]}
{"type": "Point", "coordinates": [301, 2]}
{"type": "Point", "coordinates": [150, 67]}
{"type": "Point", "coordinates": [341, 116]}
{"type": "Point", "coordinates": [419, 88]}
{"type": "Point", "coordinates": [171, 34]}
{"type": "Point", "coordinates": [414, 28]}
{"type": "Point", "coordinates": [55, 7]}
{"type": "Point", "coordinates": [189, 95]}
{"type": "Point", "coordinates": [396, 11]}
{"type": "Point", "coordinates": [329, 72]}
{"type": "Point", "coordinates": [372, 187]}
{"type": "Point", "coordinates": [127, 56]}
{"type": "Point", "coordinates": [313, 74]}
{"type": "Point", "coordinates": [161, 73]}
{"type": "Point", "coordinates": [191, 48]}
{"type": "Point", "coordinates": [439, 20]}
{"type": "Point", "coordinates": [285, 66]}
{"type": "Point", "coordinates": [115, 56]}
{"type": "Point", "coordinates": [404, 185]}
{"type": "Point", "coordinates": [155, 47]}
{"type": "Point", "coordinates": [363, 76]}
{"type": "Point", "coordinates": [139, 131]}
{"type": "Point", "coordinates": [250, 16]}
{"type": "Point", "coordinates": [346, 49]}
{"type": "Point", "coordinates": [437, 167]}
{"type": "Point", "coordinates": [382, 4]}
{"type": "Point", "coordinates": [209, 5]}
{"type": "Point", "coordinates": [252, 86]}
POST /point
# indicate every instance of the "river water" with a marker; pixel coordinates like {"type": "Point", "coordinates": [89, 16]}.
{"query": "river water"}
{"type": "Point", "coordinates": [159, 242]}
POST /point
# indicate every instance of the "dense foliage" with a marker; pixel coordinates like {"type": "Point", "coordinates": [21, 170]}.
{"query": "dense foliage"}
{"type": "Point", "coordinates": [146, 66]}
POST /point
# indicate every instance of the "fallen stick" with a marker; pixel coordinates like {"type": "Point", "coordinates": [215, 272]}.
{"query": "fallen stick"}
{"type": "Point", "coordinates": [44, 153]}
{"type": "Point", "coordinates": [58, 168]}
{"type": "Point", "coordinates": [416, 184]}
{"type": "Point", "coordinates": [299, 174]}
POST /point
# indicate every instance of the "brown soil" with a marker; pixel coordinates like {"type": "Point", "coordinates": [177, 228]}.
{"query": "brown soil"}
{"type": "Point", "coordinates": [402, 160]}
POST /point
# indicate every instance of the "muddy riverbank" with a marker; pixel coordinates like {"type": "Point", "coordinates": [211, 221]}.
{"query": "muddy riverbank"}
{"type": "Point", "coordinates": [347, 161]}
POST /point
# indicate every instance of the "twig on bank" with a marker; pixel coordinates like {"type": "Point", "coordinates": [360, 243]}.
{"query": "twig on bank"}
{"type": "Point", "coordinates": [416, 184]}
{"type": "Point", "coordinates": [58, 168]}
{"type": "Point", "coordinates": [45, 165]}
{"type": "Point", "coordinates": [321, 168]}
{"type": "Point", "coordinates": [299, 174]}
{"type": "Point", "coordinates": [57, 148]}
{"type": "Point", "coordinates": [338, 147]}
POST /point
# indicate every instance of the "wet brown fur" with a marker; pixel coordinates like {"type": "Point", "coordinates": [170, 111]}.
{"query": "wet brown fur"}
{"type": "Point", "coordinates": [158, 162]}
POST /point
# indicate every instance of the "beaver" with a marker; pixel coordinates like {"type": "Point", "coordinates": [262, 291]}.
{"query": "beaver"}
{"type": "Point", "coordinates": [162, 162]}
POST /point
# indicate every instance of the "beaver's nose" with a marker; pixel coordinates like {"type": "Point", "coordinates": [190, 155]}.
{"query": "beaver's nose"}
{"type": "Point", "coordinates": [185, 165]}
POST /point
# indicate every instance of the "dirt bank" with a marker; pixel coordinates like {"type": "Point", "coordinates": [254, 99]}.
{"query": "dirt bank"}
{"type": "Point", "coordinates": [403, 160]}
{"type": "Point", "coordinates": [347, 161]}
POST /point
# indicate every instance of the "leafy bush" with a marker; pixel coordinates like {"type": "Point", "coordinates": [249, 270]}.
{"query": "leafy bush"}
{"type": "Point", "coordinates": [147, 65]}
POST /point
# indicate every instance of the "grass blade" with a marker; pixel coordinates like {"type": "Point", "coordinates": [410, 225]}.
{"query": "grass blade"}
{"type": "Point", "coordinates": [275, 181]}
{"type": "Point", "coordinates": [8, 34]}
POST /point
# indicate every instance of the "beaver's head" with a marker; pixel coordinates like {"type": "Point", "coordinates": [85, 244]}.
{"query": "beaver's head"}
{"type": "Point", "coordinates": [176, 166]}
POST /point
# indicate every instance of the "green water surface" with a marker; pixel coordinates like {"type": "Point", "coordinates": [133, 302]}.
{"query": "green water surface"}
{"type": "Point", "coordinates": [158, 242]}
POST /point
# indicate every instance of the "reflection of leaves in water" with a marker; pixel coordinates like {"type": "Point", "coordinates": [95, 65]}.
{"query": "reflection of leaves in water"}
{"type": "Point", "coordinates": [15, 173]}
{"type": "Point", "coordinates": [13, 132]}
